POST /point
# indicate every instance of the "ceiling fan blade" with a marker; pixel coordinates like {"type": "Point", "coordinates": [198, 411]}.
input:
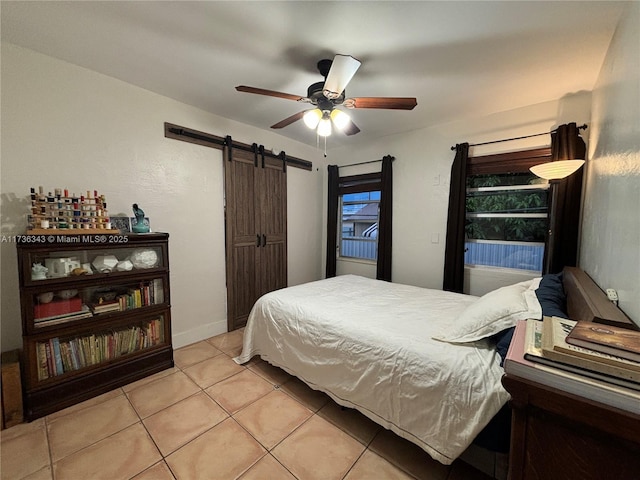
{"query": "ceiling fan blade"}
{"type": "Point", "coordinates": [269, 93]}
{"type": "Point", "coordinates": [390, 103]}
{"type": "Point", "coordinates": [351, 129]}
{"type": "Point", "coordinates": [289, 120]}
{"type": "Point", "coordinates": [342, 71]}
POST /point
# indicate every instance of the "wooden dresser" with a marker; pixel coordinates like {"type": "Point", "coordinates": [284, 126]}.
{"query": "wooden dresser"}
{"type": "Point", "coordinates": [558, 433]}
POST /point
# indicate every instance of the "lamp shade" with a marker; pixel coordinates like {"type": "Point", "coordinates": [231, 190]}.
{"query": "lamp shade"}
{"type": "Point", "coordinates": [556, 170]}
{"type": "Point", "coordinates": [312, 117]}
{"type": "Point", "coordinates": [324, 126]}
{"type": "Point", "coordinates": [340, 119]}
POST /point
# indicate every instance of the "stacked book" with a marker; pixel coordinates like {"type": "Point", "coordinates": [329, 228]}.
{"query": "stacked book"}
{"type": "Point", "coordinates": [599, 361]}
{"type": "Point", "coordinates": [105, 307]}
{"type": "Point", "coordinates": [82, 312]}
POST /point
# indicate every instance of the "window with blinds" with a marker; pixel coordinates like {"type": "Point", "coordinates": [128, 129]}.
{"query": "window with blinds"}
{"type": "Point", "coordinates": [506, 220]}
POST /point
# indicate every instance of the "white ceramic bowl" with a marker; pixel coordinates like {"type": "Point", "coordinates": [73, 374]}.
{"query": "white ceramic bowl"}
{"type": "Point", "coordinates": [45, 297]}
{"type": "Point", "coordinates": [67, 294]}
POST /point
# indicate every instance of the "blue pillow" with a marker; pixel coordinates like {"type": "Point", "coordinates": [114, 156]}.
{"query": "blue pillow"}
{"type": "Point", "coordinates": [551, 296]}
{"type": "Point", "coordinates": [503, 340]}
{"type": "Point", "coordinates": [553, 301]}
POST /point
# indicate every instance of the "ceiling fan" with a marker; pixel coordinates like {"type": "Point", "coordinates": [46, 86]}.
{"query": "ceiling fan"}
{"type": "Point", "coordinates": [329, 94]}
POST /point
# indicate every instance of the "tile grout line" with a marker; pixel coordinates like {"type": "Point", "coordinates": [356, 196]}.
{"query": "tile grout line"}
{"type": "Point", "coordinates": [46, 434]}
{"type": "Point", "coordinates": [270, 451]}
{"type": "Point", "coordinates": [276, 385]}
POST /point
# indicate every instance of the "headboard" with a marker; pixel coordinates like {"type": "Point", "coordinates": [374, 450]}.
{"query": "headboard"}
{"type": "Point", "coordinates": [587, 301]}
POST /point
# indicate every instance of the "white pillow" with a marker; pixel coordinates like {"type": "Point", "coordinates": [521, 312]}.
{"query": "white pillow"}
{"type": "Point", "coordinates": [493, 312]}
{"type": "Point", "coordinates": [535, 283]}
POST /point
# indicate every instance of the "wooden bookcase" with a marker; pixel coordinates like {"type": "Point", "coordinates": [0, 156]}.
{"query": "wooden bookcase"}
{"type": "Point", "coordinates": [87, 333]}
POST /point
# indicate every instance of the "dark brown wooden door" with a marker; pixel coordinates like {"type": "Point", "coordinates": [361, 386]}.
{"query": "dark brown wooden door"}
{"type": "Point", "coordinates": [272, 188]}
{"type": "Point", "coordinates": [256, 231]}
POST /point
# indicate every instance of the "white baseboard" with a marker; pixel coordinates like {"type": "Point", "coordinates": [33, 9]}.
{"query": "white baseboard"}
{"type": "Point", "coordinates": [203, 332]}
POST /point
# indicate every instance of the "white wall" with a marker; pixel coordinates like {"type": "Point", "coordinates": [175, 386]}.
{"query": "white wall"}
{"type": "Point", "coordinates": [610, 234]}
{"type": "Point", "coordinates": [610, 251]}
{"type": "Point", "coordinates": [69, 127]}
{"type": "Point", "coordinates": [421, 175]}
{"type": "Point", "coordinates": [65, 126]}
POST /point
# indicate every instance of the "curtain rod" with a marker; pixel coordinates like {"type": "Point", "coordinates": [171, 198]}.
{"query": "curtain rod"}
{"type": "Point", "coordinates": [581, 127]}
{"type": "Point", "coordinates": [370, 161]}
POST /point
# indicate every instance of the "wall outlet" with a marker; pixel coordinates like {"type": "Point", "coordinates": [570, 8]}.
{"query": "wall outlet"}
{"type": "Point", "coordinates": [612, 295]}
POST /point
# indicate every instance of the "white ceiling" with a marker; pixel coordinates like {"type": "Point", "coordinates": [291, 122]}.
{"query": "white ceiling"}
{"type": "Point", "coordinates": [459, 59]}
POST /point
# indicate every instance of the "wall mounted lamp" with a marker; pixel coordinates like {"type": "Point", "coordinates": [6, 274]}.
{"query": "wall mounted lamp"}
{"type": "Point", "coordinates": [556, 171]}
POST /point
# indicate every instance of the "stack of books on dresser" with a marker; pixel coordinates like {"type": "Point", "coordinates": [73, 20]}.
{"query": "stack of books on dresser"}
{"type": "Point", "coordinates": [589, 359]}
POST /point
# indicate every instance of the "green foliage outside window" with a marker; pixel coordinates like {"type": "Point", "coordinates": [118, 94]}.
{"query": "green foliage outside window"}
{"type": "Point", "coordinates": [506, 202]}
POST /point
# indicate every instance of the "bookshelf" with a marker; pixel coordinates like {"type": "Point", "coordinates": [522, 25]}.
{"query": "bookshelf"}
{"type": "Point", "coordinates": [97, 318]}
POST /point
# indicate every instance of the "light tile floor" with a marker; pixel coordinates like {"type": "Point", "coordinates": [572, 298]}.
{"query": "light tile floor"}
{"type": "Point", "coordinates": [209, 418]}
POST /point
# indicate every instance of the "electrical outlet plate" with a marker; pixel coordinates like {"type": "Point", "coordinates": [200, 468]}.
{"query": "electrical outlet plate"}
{"type": "Point", "coordinates": [612, 295]}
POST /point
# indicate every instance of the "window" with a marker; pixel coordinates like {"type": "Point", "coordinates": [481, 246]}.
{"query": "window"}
{"type": "Point", "coordinates": [507, 213]}
{"type": "Point", "coordinates": [359, 225]}
{"type": "Point", "coordinates": [363, 196]}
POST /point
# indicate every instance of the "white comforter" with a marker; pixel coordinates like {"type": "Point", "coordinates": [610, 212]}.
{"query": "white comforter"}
{"type": "Point", "coordinates": [367, 344]}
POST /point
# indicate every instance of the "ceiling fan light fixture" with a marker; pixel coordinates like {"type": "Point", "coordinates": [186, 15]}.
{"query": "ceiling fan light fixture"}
{"type": "Point", "coordinates": [324, 126]}
{"type": "Point", "coordinates": [312, 117]}
{"type": "Point", "coordinates": [340, 119]}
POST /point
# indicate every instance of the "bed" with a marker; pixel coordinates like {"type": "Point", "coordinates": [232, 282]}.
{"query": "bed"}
{"type": "Point", "coordinates": [370, 346]}
{"type": "Point", "coordinates": [423, 363]}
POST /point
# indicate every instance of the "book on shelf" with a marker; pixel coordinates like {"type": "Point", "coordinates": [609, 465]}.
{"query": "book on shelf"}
{"type": "Point", "coordinates": [105, 306]}
{"type": "Point", "coordinates": [157, 291]}
{"type": "Point", "coordinates": [84, 312]}
{"type": "Point", "coordinates": [57, 357]}
{"type": "Point", "coordinates": [43, 371]}
{"type": "Point", "coordinates": [597, 390]}
{"type": "Point", "coordinates": [56, 308]}
{"type": "Point", "coordinates": [621, 342]}
{"type": "Point", "coordinates": [535, 339]}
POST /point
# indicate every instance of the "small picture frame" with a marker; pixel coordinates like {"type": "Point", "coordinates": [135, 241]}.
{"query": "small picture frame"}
{"type": "Point", "coordinates": [134, 222]}
{"type": "Point", "coordinates": [121, 223]}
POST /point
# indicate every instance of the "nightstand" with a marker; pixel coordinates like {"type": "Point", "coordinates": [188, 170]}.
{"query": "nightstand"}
{"type": "Point", "coordinates": [559, 435]}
